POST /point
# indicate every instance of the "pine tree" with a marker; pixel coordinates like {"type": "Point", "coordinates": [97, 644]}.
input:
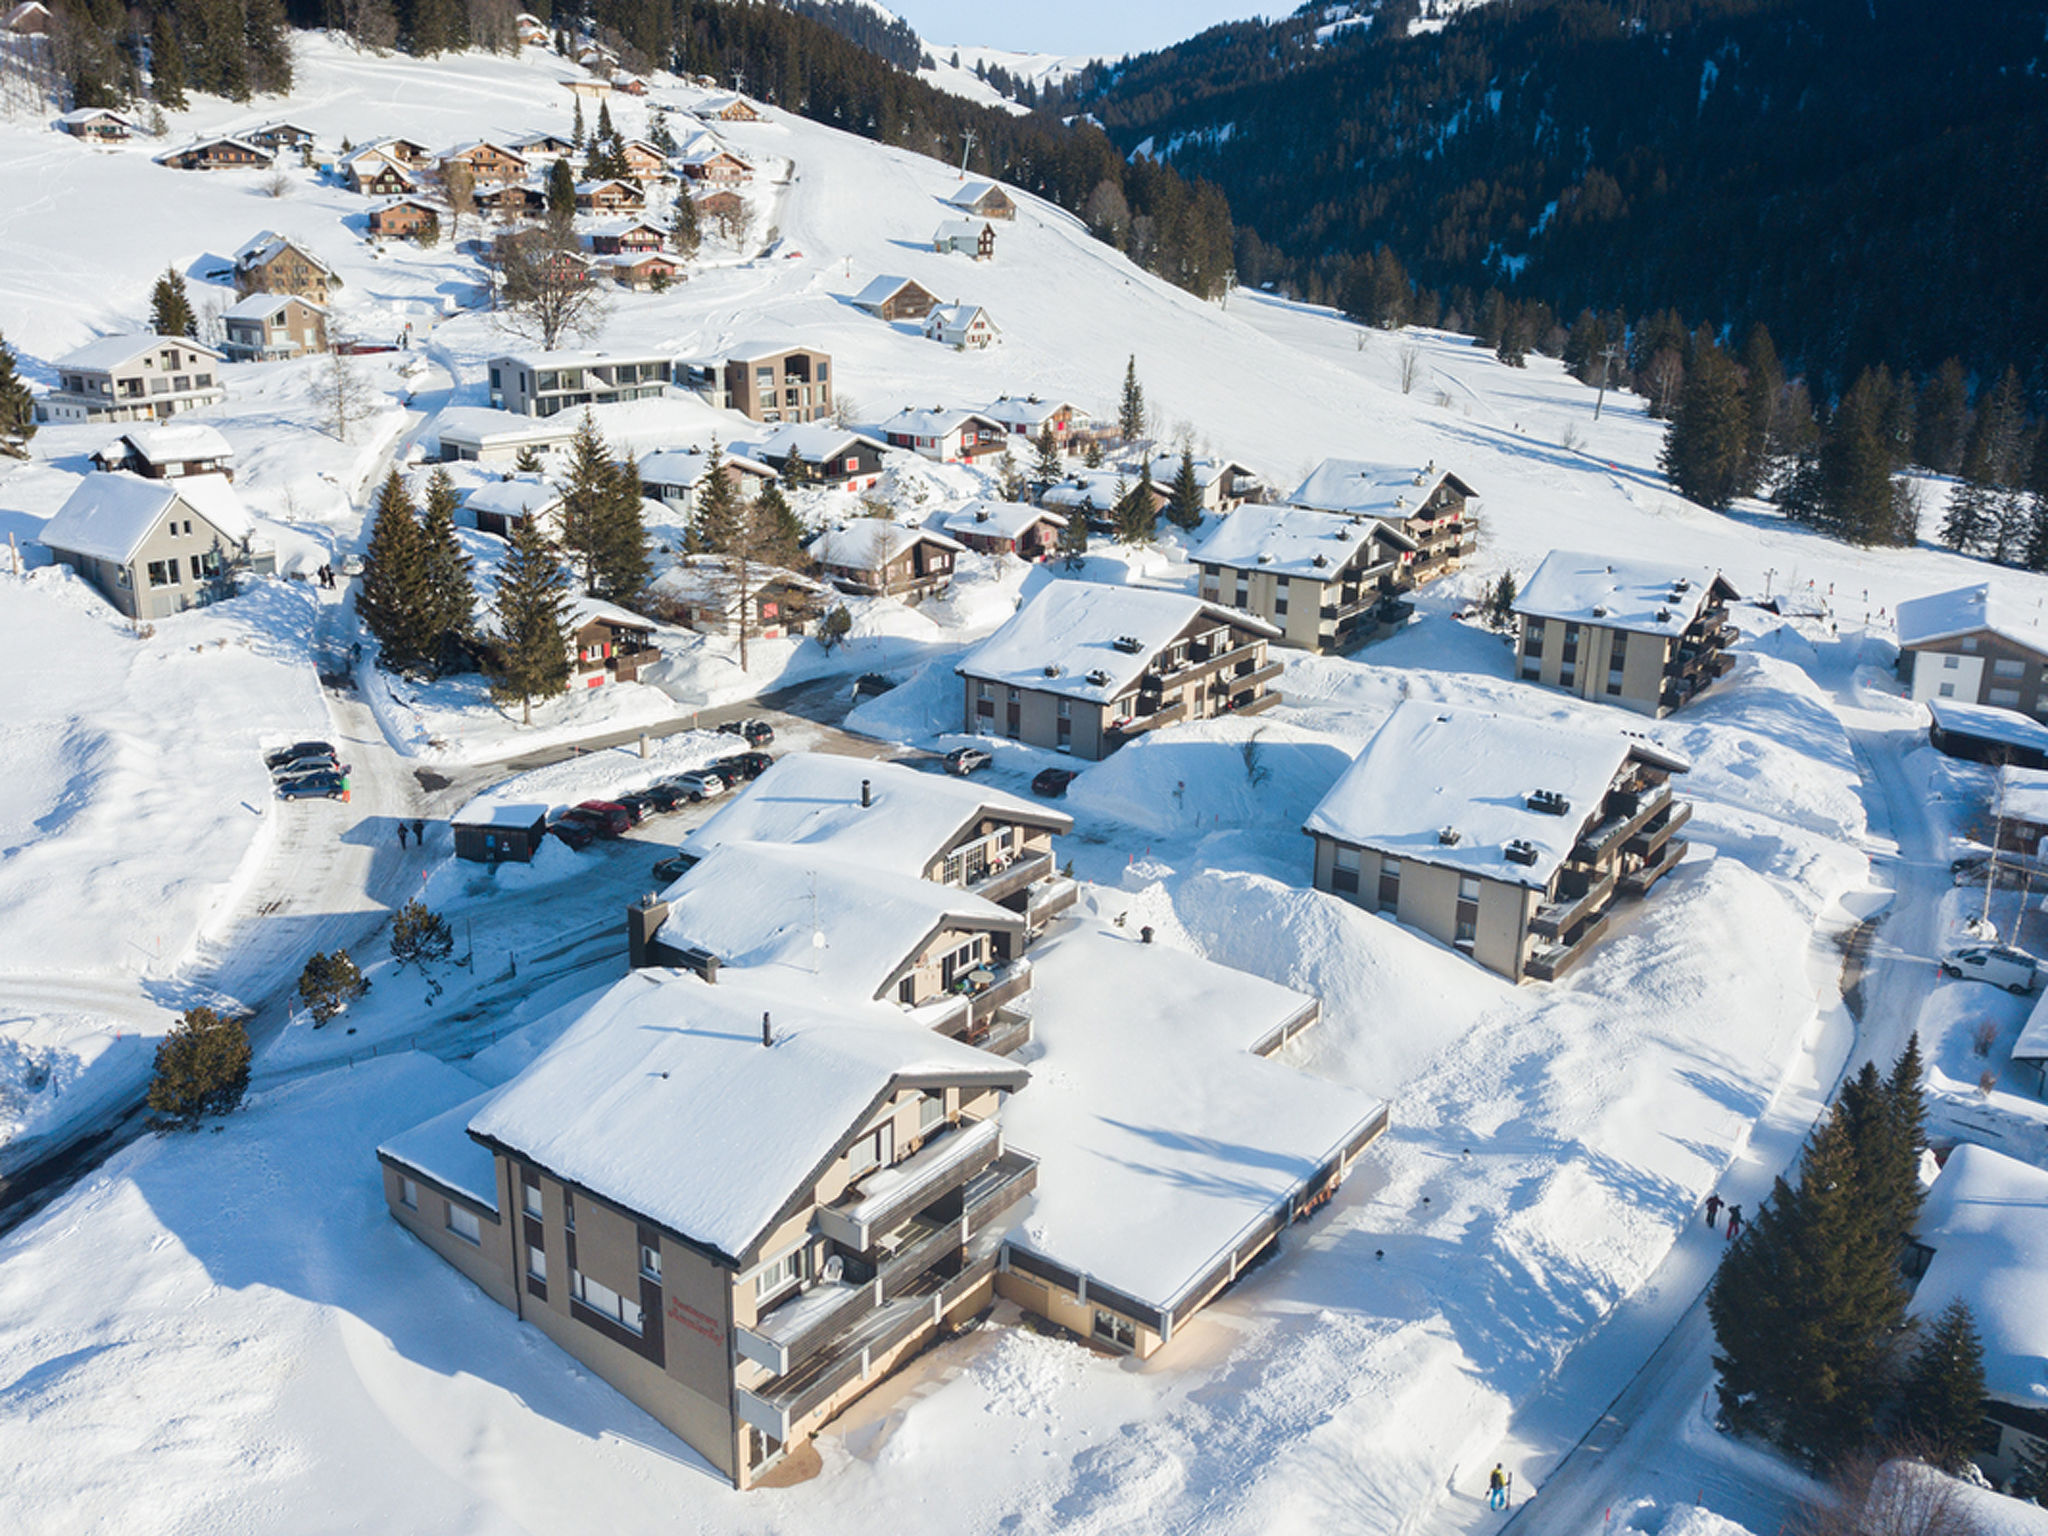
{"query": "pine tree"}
{"type": "Point", "coordinates": [391, 598]}
{"type": "Point", "coordinates": [1944, 1389]}
{"type": "Point", "coordinates": [576, 133]}
{"type": "Point", "coordinates": [561, 191]}
{"type": "Point", "coordinates": [17, 405]}
{"type": "Point", "coordinates": [329, 983]}
{"type": "Point", "coordinates": [1010, 477]}
{"type": "Point", "coordinates": [1184, 504]}
{"type": "Point", "coordinates": [1073, 545]}
{"type": "Point", "coordinates": [202, 1067]}
{"type": "Point", "coordinates": [1884, 1130]}
{"type": "Point", "coordinates": [1049, 468]}
{"type": "Point", "coordinates": [1763, 386]}
{"type": "Point", "coordinates": [166, 61]}
{"type": "Point", "coordinates": [268, 37]}
{"type": "Point", "coordinates": [170, 309]}
{"type": "Point", "coordinates": [1091, 452]}
{"type": "Point", "coordinates": [715, 510]}
{"type": "Point", "coordinates": [437, 26]}
{"type": "Point", "coordinates": [1513, 346]}
{"type": "Point", "coordinates": [683, 232]}
{"type": "Point", "coordinates": [420, 935]}
{"type": "Point", "coordinates": [527, 461]}
{"type": "Point", "coordinates": [1942, 425]}
{"type": "Point", "coordinates": [1136, 513]}
{"type": "Point", "coordinates": [1130, 415]}
{"type": "Point", "coordinates": [1707, 453]}
{"type": "Point", "coordinates": [1994, 469]}
{"type": "Point", "coordinates": [586, 495]}
{"type": "Point", "coordinates": [660, 136]}
{"type": "Point", "coordinates": [605, 130]}
{"type": "Point", "coordinates": [621, 565]}
{"type": "Point", "coordinates": [450, 598]}
{"type": "Point", "coordinates": [531, 659]}
{"type": "Point", "coordinates": [1858, 500]}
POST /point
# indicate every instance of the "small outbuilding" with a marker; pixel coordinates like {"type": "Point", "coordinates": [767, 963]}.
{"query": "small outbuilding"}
{"type": "Point", "coordinates": [489, 831]}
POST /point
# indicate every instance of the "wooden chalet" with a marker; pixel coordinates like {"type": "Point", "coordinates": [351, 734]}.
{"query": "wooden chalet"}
{"type": "Point", "coordinates": [965, 237]}
{"type": "Point", "coordinates": [217, 155]}
{"type": "Point", "coordinates": [896, 298]}
{"type": "Point", "coordinates": [611, 195]}
{"type": "Point", "coordinates": [489, 164]}
{"type": "Point", "coordinates": [403, 218]}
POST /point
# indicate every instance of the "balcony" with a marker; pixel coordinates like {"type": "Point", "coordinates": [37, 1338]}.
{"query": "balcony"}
{"type": "Point", "coordinates": [1638, 882]}
{"type": "Point", "coordinates": [1551, 961]}
{"type": "Point", "coordinates": [1048, 899]}
{"type": "Point", "coordinates": [1558, 917]}
{"type": "Point", "coordinates": [1132, 725]}
{"type": "Point", "coordinates": [888, 1195]}
{"type": "Point", "coordinates": [997, 881]}
{"type": "Point", "coordinates": [1655, 835]}
{"type": "Point", "coordinates": [1253, 678]}
{"type": "Point", "coordinates": [1257, 706]}
{"type": "Point", "coordinates": [988, 987]}
{"type": "Point", "coordinates": [1625, 820]}
{"type": "Point", "coordinates": [1003, 1032]}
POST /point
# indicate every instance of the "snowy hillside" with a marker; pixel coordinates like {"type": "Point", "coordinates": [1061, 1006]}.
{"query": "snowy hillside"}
{"type": "Point", "coordinates": [236, 1313]}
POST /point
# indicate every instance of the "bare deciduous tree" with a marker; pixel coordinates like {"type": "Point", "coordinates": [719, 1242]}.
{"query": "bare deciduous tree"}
{"type": "Point", "coordinates": [735, 222]}
{"type": "Point", "coordinates": [1411, 368]}
{"type": "Point", "coordinates": [1873, 1496]}
{"type": "Point", "coordinates": [343, 394]}
{"type": "Point", "coordinates": [547, 292]}
{"type": "Point", "coordinates": [277, 184]}
{"type": "Point", "coordinates": [458, 185]}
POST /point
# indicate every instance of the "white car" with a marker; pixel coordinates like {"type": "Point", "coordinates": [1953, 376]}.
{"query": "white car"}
{"type": "Point", "coordinates": [2011, 969]}
{"type": "Point", "coordinates": [700, 785]}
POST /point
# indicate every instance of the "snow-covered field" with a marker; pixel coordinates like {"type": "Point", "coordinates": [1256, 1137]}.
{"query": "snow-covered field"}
{"type": "Point", "coordinates": [237, 1308]}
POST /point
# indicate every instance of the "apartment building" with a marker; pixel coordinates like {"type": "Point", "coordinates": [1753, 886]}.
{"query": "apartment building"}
{"type": "Point", "coordinates": [766, 381]}
{"type": "Point", "coordinates": [133, 378]}
{"type": "Point", "coordinates": [1643, 635]}
{"type": "Point", "coordinates": [740, 1211]}
{"type": "Point", "coordinates": [1433, 507]}
{"type": "Point", "coordinates": [1974, 646]}
{"type": "Point", "coordinates": [1084, 668]}
{"type": "Point", "coordinates": [1507, 838]}
{"type": "Point", "coordinates": [1326, 581]}
{"type": "Point", "coordinates": [548, 383]}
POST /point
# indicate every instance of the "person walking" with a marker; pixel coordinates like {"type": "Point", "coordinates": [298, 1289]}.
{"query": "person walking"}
{"type": "Point", "coordinates": [1734, 1221]}
{"type": "Point", "coordinates": [1497, 1489]}
{"type": "Point", "coordinates": [1714, 1204]}
{"type": "Point", "coordinates": [401, 837]}
{"type": "Point", "coordinates": [419, 833]}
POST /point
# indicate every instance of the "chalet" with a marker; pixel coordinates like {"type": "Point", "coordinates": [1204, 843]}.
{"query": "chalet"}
{"type": "Point", "coordinates": [727, 109]}
{"type": "Point", "coordinates": [644, 162]}
{"type": "Point", "coordinates": [272, 263]}
{"type": "Point", "coordinates": [1431, 506]}
{"type": "Point", "coordinates": [265, 327]}
{"type": "Point", "coordinates": [31, 18]}
{"type": "Point", "coordinates": [896, 298]}
{"type": "Point", "coordinates": [875, 557]}
{"type": "Point", "coordinates": [1646, 636]}
{"type": "Point", "coordinates": [588, 90]}
{"type": "Point", "coordinates": [489, 164]}
{"type": "Point", "coordinates": [1029, 416]}
{"type": "Point", "coordinates": [704, 595]}
{"type": "Point", "coordinates": [546, 383]}
{"type": "Point", "coordinates": [964, 237]}
{"type": "Point", "coordinates": [607, 643]}
{"type": "Point", "coordinates": [643, 271]}
{"type": "Point", "coordinates": [673, 476]}
{"type": "Point", "coordinates": [741, 1210]}
{"type": "Point", "coordinates": [1983, 733]}
{"type": "Point", "coordinates": [719, 206]}
{"type": "Point", "coordinates": [630, 85]}
{"type": "Point", "coordinates": [533, 32]}
{"type": "Point", "coordinates": [615, 236]}
{"type": "Point", "coordinates": [490, 830]}
{"type": "Point", "coordinates": [1982, 1239]}
{"type": "Point", "coordinates": [97, 125]}
{"type": "Point", "coordinates": [610, 195]}
{"type": "Point", "coordinates": [1973, 645]}
{"type": "Point", "coordinates": [217, 155]}
{"type": "Point", "coordinates": [511, 200]}
{"type": "Point", "coordinates": [536, 147]}
{"type": "Point", "coordinates": [133, 378]}
{"type": "Point", "coordinates": [169, 453]}
{"type": "Point", "coordinates": [472, 432]}
{"type": "Point", "coordinates": [373, 173]}
{"type": "Point", "coordinates": [715, 167]}
{"type": "Point", "coordinates": [963, 326]}
{"type": "Point", "coordinates": [1088, 493]}
{"type": "Point", "coordinates": [766, 381]}
{"type": "Point", "coordinates": [1005, 528]}
{"type": "Point", "coordinates": [276, 136]}
{"type": "Point", "coordinates": [404, 218]}
{"type": "Point", "coordinates": [156, 547]}
{"type": "Point", "coordinates": [495, 506]}
{"type": "Point", "coordinates": [1084, 668]}
{"type": "Point", "coordinates": [1325, 581]}
{"type": "Point", "coordinates": [410, 153]}
{"type": "Point", "coordinates": [951, 437]}
{"type": "Point", "coordinates": [1225, 484]}
{"type": "Point", "coordinates": [1507, 838]}
{"type": "Point", "coordinates": [983, 200]}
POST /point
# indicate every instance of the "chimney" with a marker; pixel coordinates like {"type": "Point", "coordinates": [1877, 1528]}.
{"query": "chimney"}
{"type": "Point", "coordinates": [643, 920]}
{"type": "Point", "coordinates": [767, 1028]}
{"type": "Point", "coordinates": [866, 795]}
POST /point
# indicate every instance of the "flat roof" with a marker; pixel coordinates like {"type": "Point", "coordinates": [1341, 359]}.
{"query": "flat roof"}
{"type": "Point", "coordinates": [1161, 1140]}
{"type": "Point", "coordinates": [1642, 596]}
{"type": "Point", "coordinates": [520, 496]}
{"type": "Point", "coordinates": [484, 426]}
{"type": "Point", "coordinates": [1987, 722]}
{"type": "Point", "coordinates": [487, 811]}
{"type": "Point", "coordinates": [1970, 610]}
{"type": "Point", "coordinates": [1436, 767]}
{"type": "Point", "coordinates": [1986, 1218]}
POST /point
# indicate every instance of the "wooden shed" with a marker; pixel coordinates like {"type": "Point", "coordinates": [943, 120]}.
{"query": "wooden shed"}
{"type": "Point", "coordinates": [494, 832]}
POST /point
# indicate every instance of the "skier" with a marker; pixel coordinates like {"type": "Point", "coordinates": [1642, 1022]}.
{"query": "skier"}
{"type": "Point", "coordinates": [1714, 1204]}
{"type": "Point", "coordinates": [1497, 1489]}
{"type": "Point", "coordinates": [1734, 1221]}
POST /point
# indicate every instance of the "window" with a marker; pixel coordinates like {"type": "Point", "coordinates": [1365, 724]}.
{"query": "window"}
{"type": "Point", "coordinates": [1951, 663]}
{"type": "Point", "coordinates": [163, 573]}
{"type": "Point", "coordinates": [1969, 642]}
{"type": "Point", "coordinates": [931, 1111]}
{"type": "Point", "coordinates": [1066, 709]}
{"type": "Point", "coordinates": [650, 1262]}
{"type": "Point", "coordinates": [1390, 883]}
{"type": "Point", "coordinates": [1111, 1329]}
{"type": "Point", "coordinates": [465, 1225]}
{"type": "Point", "coordinates": [1614, 682]}
{"type": "Point", "coordinates": [408, 1194]}
{"type": "Point", "coordinates": [906, 991]}
{"type": "Point", "coordinates": [1468, 888]}
{"type": "Point", "coordinates": [568, 1211]}
{"type": "Point", "coordinates": [2004, 698]}
{"type": "Point", "coordinates": [2005, 667]}
{"type": "Point", "coordinates": [1532, 638]}
{"type": "Point", "coordinates": [779, 1275]}
{"type": "Point", "coordinates": [605, 1301]}
{"type": "Point", "coordinates": [537, 1261]}
{"type": "Point", "coordinates": [872, 1150]}
{"type": "Point", "coordinates": [1948, 690]}
{"type": "Point", "coordinates": [531, 1200]}
{"type": "Point", "coordinates": [1567, 674]}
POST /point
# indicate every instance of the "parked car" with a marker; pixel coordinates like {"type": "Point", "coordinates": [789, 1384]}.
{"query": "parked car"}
{"type": "Point", "coordinates": [962, 761]}
{"type": "Point", "coordinates": [324, 762]}
{"type": "Point", "coordinates": [2011, 969]}
{"type": "Point", "coordinates": [672, 868]}
{"type": "Point", "coordinates": [742, 765]}
{"type": "Point", "coordinates": [298, 749]}
{"type": "Point", "coordinates": [1053, 782]}
{"type": "Point", "coordinates": [641, 804]}
{"type": "Point", "coordinates": [664, 794]}
{"type": "Point", "coordinates": [607, 817]}
{"type": "Point", "coordinates": [573, 830]}
{"type": "Point", "coordinates": [313, 786]}
{"type": "Point", "coordinates": [871, 685]}
{"type": "Point", "coordinates": [704, 784]}
{"type": "Point", "coordinates": [757, 733]}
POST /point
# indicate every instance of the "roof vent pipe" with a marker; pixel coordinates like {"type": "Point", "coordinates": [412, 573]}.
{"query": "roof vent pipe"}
{"type": "Point", "coordinates": [767, 1028]}
{"type": "Point", "coordinates": [867, 797]}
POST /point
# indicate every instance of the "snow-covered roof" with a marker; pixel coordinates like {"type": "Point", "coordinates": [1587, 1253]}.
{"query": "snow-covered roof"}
{"type": "Point", "coordinates": [1089, 490]}
{"type": "Point", "coordinates": [113, 511]}
{"type": "Point", "coordinates": [869, 543]}
{"type": "Point", "coordinates": [1642, 596]}
{"type": "Point", "coordinates": [520, 496]}
{"type": "Point", "coordinates": [579, 611]}
{"type": "Point", "coordinates": [998, 519]}
{"type": "Point", "coordinates": [662, 1098]}
{"type": "Point", "coordinates": [1161, 1140]}
{"type": "Point", "coordinates": [1074, 626]}
{"type": "Point", "coordinates": [625, 224]}
{"type": "Point", "coordinates": [486, 427]}
{"type": "Point", "coordinates": [2032, 1044]}
{"type": "Point", "coordinates": [539, 360]}
{"type": "Point", "coordinates": [939, 421]}
{"type": "Point", "coordinates": [461, 151]}
{"type": "Point", "coordinates": [1986, 722]}
{"type": "Point", "coordinates": [703, 580]}
{"type": "Point", "coordinates": [486, 810]}
{"type": "Point", "coordinates": [2024, 796]}
{"type": "Point", "coordinates": [882, 289]}
{"type": "Point", "coordinates": [268, 245]}
{"type": "Point", "coordinates": [1031, 413]}
{"type": "Point", "coordinates": [755, 349]}
{"type": "Point", "coordinates": [1986, 1218]}
{"type": "Point", "coordinates": [87, 114]}
{"type": "Point", "coordinates": [586, 188]}
{"type": "Point", "coordinates": [111, 352]}
{"type": "Point", "coordinates": [813, 800]}
{"type": "Point", "coordinates": [959, 317]}
{"type": "Point", "coordinates": [261, 306]}
{"type": "Point", "coordinates": [959, 229]}
{"type": "Point", "coordinates": [209, 143]}
{"type": "Point", "coordinates": [685, 466]}
{"type": "Point", "coordinates": [1375, 490]}
{"type": "Point", "coordinates": [971, 195]}
{"type": "Point", "coordinates": [441, 1149]}
{"type": "Point", "coordinates": [1165, 467]}
{"type": "Point", "coordinates": [176, 442]}
{"type": "Point", "coordinates": [812, 441]}
{"type": "Point", "coordinates": [762, 908]}
{"type": "Point", "coordinates": [1432, 767]}
{"type": "Point", "coordinates": [1288, 541]}
{"type": "Point", "coordinates": [1912, 1496]}
{"type": "Point", "coordinates": [1967, 611]}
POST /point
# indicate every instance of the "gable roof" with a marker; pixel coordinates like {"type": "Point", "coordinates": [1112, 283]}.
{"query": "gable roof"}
{"type": "Point", "coordinates": [940, 421]}
{"type": "Point", "coordinates": [869, 543]}
{"type": "Point", "coordinates": [961, 229]}
{"type": "Point", "coordinates": [111, 512]}
{"type": "Point", "coordinates": [261, 306]}
{"type": "Point", "coordinates": [520, 496]}
{"type": "Point", "coordinates": [998, 519]}
{"type": "Point", "coordinates": [175, 442]}
{"type": "Point", "coordinates": [1376, 490]}
{"type": "Point", "coordinates": [209, 143]}
{"type": "Point", "coordinates": [812, 441]}
{"type": "Point", "coordinates": [1066, 636]}
{"type": "Point", "coordinates": [488, 427]}
{"type": "Point", "coordinates": [661, 1098]}
{"type": "Point", "coordinates": [958, 317]}
{"type": "Point", "coordinates": [1289, 541]}
{"type": "Point", "coordinates": [1030, 412]}
{"type": "Point", "coordinates": [974, 194]}
{"type": "Point", "coordinates": [1431, 767]}
{"type": "Point", "coordinates": [463, 151]}
{"type": "Point", "coordinates": [1970, 610]}
{"type": "Point", "coordinates": [685, 466]}
{"type": "Point", "coordinates": [1641, 596]}
{"type": "Point", "coordinates": [107, 353]}
{"type": "Point", "coordinates": [881, 290]}
{"type": "Point", "coordinates": [1986, 1218]}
